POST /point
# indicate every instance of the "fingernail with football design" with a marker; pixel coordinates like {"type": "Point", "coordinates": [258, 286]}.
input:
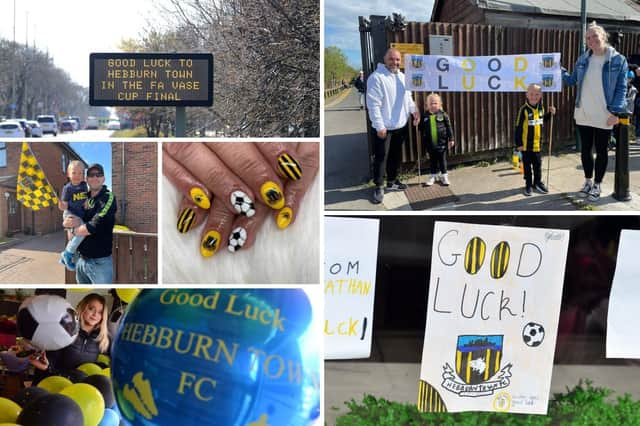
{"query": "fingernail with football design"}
{"type": "Point", "coordinates": [210, 244]}
{"type": "Point", "coordinates": [200, 198]}
{"type": "Point", "coordinates": [289, 167]}
{"type": "Point", "coordinates": [242, 203]}
{"type": "Point", "coordinates": [186, 219]}
{"type": "Point", "coordinates": [237, 238]}
{"type": "Point", "coordinates": [284, 218]}
{"type": "Point", "coordinates": [272, 195]}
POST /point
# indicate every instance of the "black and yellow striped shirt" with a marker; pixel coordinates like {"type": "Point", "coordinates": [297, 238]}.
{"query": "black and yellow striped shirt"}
{"type": "Point", "coordinates": [529, 122]}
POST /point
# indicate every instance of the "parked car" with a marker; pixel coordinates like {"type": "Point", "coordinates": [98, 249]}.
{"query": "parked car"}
{"type": "Point", "coordinates": [92, 123]}
{"type": "Point", "coordinates": [36, 130]}
{"type": "Point", "coordinates": [66, 126]}
{"type": "Point", "coordinates": [11, 129]}
{"type": "Point", "coordinates": [25, 126]}
{"type": "Point", "coordinates": [75, 120]}
{"type": "Point", "coordinates": [48, 124]}
{"type": "Point", "coordinates": [113, 125]}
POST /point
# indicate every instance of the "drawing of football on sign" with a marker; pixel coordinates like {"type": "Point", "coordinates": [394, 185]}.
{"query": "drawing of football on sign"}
{"type": "Point", "coordinates": [533, 334]}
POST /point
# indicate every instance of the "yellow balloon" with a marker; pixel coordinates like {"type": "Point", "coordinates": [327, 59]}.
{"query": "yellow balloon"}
{"type": "Point", "coordinates": [90, 401]}
{"type": "Point", "coordinates": [9, 424]}
{"type": "Point", "coordinates": [104, 359]}
{"type": "Point", "coordinates": [9, 410]}
{"type": "Point", "coordinates": [90, 368]}
{"type": "Point", "coordinates": [106, 372]}
{"type": "Point", "coordinates": [54, 384]}
{"type": "Point", "coordinates": [127, 294]}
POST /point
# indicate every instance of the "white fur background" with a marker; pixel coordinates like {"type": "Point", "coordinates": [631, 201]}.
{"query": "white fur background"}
{"type": "Point", "coordinates": [289, 256]}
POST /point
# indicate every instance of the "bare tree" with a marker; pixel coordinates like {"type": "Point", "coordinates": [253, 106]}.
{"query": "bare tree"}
{"type": "Point", "coordinates": [267, 61]}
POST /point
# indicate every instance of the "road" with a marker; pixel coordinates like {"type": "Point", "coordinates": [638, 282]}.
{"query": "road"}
{"type": "Point", "coordinates": [34, 261]}
{"type": "Point", "coordinates": [81, 135]}
{"type": "Point", "coordinates": [346, 155]}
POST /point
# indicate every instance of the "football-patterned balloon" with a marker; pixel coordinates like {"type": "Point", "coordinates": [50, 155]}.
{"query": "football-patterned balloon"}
{"type": "Point", "coordinates": [49, 322]}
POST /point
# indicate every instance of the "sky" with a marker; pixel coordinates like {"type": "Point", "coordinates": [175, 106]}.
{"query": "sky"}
{"type": "Point", "coordinates": [96, 152]}
{"type": "Point", "coordinates": [70, 30]}
{"type": "Point", "coordinates": [341, 21]}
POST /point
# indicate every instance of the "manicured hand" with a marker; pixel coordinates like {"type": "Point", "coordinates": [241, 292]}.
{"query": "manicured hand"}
{"type": "Point", "coordinates": [309, 155]}
{"type": "Point", "coordinates": [206, 167]}
{"type": "Point", "coordinates": [246, 162]}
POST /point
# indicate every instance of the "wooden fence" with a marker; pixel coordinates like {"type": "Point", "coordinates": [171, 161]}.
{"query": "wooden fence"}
{"type": "Point", "coordinates": [135, 259]}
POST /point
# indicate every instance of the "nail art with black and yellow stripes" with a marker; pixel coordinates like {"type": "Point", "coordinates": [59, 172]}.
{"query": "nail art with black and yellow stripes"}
{"type": "Point", "coordinates": [289, 167]}
{"type": "Point", "coordinates": [210, 243]}
{"type": "Point", "coordinates": [186, 219]}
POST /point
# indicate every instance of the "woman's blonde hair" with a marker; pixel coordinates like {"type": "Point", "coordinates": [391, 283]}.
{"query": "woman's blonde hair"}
{"type": "Point", "coordinates": [103, 335]}
{"type": "Point", "coordinates": [600, 30]}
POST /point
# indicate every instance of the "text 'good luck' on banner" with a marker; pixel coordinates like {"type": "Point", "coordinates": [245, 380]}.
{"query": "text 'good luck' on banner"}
{"type": "Point", "coordinates": [351, 257]}
{"type": "Point", "coordinates": [492, 318]}
{"type": "Point", "coordinates": [503, 73]}
{"type": "Point", "coordinates": [624, 300]}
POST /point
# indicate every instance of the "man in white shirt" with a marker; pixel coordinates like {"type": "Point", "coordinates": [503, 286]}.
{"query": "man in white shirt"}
{"type": "Point", "coordinates": [389, 105]}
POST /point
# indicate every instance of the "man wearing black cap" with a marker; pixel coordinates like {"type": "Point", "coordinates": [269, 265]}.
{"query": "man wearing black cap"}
{"type": "Point", "coordinates": [95, 265]}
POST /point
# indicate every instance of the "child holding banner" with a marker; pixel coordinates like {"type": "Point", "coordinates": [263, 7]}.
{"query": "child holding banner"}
{"type": "Point", "coordinates": [528, 138]}
{"type": "Point", "coordinates": [437, 137]}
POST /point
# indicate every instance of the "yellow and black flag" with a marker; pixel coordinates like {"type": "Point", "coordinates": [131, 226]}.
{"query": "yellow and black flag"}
{"type": "Point", "coordinates": [34, 190]}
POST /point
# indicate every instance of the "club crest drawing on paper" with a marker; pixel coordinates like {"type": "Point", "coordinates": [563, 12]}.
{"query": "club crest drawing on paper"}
{"type": "Point", "coordinates": [477, 367]}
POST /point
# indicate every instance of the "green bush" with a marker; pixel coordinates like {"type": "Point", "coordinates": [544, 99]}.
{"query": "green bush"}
{"type": "Point", "coordinates": [582, 405]}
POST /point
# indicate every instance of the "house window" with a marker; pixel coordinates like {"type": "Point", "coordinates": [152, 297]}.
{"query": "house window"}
{"type": "Point", "coordinates": [13, 205]}
{"type": "Point", "coordinates": [3, 154]}
{"type": "Point", "coordinates": [64, 161]}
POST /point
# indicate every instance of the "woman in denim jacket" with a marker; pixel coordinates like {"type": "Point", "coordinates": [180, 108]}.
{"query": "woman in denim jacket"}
{"type": "Point", "coordinates": [600, 75]}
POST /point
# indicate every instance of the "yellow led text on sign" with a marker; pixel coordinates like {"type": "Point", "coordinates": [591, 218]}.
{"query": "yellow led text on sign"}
{"type": "Point", "coordinates": [152, 80]}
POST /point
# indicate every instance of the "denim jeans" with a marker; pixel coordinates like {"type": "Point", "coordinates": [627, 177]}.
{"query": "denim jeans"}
{"type": "Point", "coordinates": [636, 114]}
{"type": "Point", "coordinates": [94, 271]}
{"type": "Point", "coordinates": [74, 242]}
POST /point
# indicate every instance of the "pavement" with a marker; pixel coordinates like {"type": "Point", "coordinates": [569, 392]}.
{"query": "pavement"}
{"type": "Point", "coordinates": [481, 186]}
{"type": "Point", "coordinates": [32, 260]}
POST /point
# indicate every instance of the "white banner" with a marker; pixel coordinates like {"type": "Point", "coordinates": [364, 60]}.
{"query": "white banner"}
{"type": "Point", "coordinates": [503, 73]}
{"type": "Point", "coordinates": [351, 257]}
{"type": "Point", "coordinates": [492, 318]}
{"type": "Point", "coordinates": [624, 300]}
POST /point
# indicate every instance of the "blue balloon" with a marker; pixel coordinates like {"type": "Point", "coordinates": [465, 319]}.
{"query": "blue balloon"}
{"type": "Point", "coordinates": [239, 357]}
{"type": "Point", "coordinates": [110, 418]}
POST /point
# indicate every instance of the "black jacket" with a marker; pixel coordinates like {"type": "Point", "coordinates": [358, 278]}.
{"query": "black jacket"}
{"type": "Point", "coordinates": [361, 85]}
{"type": "Point", "coordinates": [84, 349]}
{"type": "Point", "coordinates": [444, 131]}
{"type": "Point", "coordinates": [99, 218]}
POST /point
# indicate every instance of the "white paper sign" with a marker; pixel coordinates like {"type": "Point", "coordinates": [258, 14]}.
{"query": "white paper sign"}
{"type": "Point", "coordinates": [492, 318]}
{"type": "Point", "coordinates": [499, 73]}
{"type": "Point", "coordinates": [351, 256]}
{"type": "Point", "coordinates": [624, 300]}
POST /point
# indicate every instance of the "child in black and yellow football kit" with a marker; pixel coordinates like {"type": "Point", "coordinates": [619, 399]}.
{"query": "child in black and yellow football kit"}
{"type": "Point", "coordinates": [528, 138]}
{"type": "Point", "coordinates": [437, 137]}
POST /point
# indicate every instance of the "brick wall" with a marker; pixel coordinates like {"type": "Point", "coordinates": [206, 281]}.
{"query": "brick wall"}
{"type": "Point", "coordinates": [137, 196]}
{"type": "Point", "coordinates": [49, 155]}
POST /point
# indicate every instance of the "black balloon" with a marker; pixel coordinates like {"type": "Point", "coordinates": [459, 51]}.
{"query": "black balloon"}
{"type": "Point", "coordinates": [27, 395]}
{"type": "Point", "coordinates": [103, 384]}
{"type": "Point", "coordinates": [76, 376]}
{"type": "Point", "coordinates": [51, 410]}
{"type": "Point", "coordinates": [101, 364]}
